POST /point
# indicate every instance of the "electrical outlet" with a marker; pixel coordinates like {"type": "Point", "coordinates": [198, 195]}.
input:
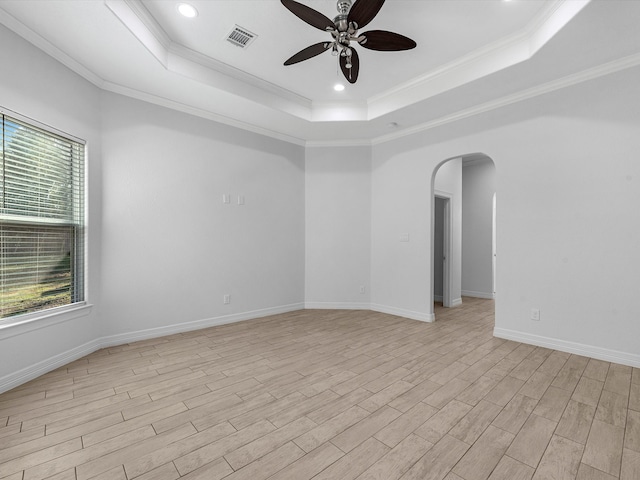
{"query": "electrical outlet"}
{"type": "Point", "coordinates": [362, 289]}
{"type": "Point", "coordinates": [226, 299]}
{"type": "Point", "coordinates": [535, 314]}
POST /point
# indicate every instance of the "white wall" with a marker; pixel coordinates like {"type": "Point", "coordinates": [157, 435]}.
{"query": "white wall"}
{"type": "Point", "coordinates": [34, 85]}
{"type": "Point", "coordinates": [338, 227]}
{"type": "Point", "coordinates": [568, 228]}
{"type": "Point", "coordinates": [478, 188]}
{"type": "Point", "coordinates": [171, 248]}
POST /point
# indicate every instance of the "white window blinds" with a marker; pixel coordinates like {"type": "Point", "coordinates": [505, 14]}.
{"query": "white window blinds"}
{"type": "Point", "coordinates": [41, 218]}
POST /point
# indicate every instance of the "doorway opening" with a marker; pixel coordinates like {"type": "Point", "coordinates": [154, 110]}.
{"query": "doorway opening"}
{"type": "Point", "coordinates": [442, 249]}
{"type": "Point", "coordinates": [463, 230]}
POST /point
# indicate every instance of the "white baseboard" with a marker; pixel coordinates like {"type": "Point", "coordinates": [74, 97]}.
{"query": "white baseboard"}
{"type": "Point", "coordinates": [129, 337]}
{"type": "Point", "coordinates": [337, 306]}
{"type": "Point", "coordinates": [423, 317]}
{"type": "Point", "coordinates": [471, 293]}
{"type": "Point", "coordinates": [26, 374]}
{"type": "Point", "coordinates": [456, 302]}
{"type": "Point", "coordinates": [630, 359]}
{"type": "Point", "coordinates": [34, 371]}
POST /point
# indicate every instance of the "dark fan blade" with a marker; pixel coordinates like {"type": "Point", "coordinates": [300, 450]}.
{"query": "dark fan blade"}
{"type": "Point", "coordinates": [351, 74]}
{"type": "Point", "coordinates": [308, 52]}
{"type": "Point", "coordinates": [309, 15]}
{"type": "Point", "coordinates": [386, 41]}
{"type": "Point", "coordinates": [363, 11]}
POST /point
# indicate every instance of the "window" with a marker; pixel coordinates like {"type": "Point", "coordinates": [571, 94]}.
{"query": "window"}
{"type": "Point", "coordinates": [41, 217]}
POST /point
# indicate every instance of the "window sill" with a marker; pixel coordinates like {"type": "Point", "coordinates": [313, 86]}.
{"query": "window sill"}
{"type": "Point", "coordinates": [10, 327]}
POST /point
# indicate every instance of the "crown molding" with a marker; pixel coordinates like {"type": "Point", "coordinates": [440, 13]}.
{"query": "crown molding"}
{"type": "Point", "coordinates": [566, 81]}
{"type": "Point", "coordinates": [212, 63]}
{"type": "Point", "coordinates": [337, 143]}
{"type": "Point", "coordinates": [489, 59]}
{"type": "Point", "coordinates": [538, 32]}
{"type": "Point", "coordinates": [47, 47]}
{"type": "Point", "coordinates": [209, 71]}
{"type": "Point", "coordinates": [179, 59]}
{"type": "Point", "coordinates": [198, 112]}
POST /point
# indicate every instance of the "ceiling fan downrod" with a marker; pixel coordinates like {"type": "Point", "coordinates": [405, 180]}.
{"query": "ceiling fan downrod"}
{"type": "Point", "coordinates": [344, 6]}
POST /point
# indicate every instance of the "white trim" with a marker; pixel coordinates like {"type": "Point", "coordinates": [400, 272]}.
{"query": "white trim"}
{"type": "Point", "coordinates": [401, 312]}
{"type": "Point", "coordinates": [179, 59]}
{"type": "Point", "coordinates": [591, 351]}
{"type": "Point", "coordinates": [14, 379]}
{"type": "Point", "coordinates": [30, 322]}
{"type": "Point", "coordinates": [567, 81]}
{"type": "Point", "coordinates": [456, 302]}
{"type": "Point", "coordinates": [471, 293]}
{"type": "Point", "coordinates": [537, 33]}
{"type": "Point", "coordinates": [128, 337]}
{"type": "Point", "coordinates": [198, 112]}
{"type": "Point", "coordinates": [447, 243]}
{"type": "Point", "coordinates": [437, 298]}
{"type": "Point", "coordinates": [337, 143]}
{"type": "Point", "coordinates": [47, 47]}
{"type": "Point", "coordinates": [42, 126]}
{"type": "Point", "coordinates": [26, 374]}
{"type": "Point", "coordinates": [337, 306]}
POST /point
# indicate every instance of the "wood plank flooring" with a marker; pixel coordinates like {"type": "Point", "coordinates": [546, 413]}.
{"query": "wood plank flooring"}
{"type": "Point", "coordinates": [328, 395]}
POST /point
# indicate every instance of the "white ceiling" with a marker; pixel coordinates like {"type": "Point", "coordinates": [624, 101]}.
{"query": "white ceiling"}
{"type": "Point", "coordinates": [472, 56]}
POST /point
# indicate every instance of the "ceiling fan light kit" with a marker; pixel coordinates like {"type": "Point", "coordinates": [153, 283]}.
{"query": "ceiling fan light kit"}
{"type": "Point", "coordinates": [344, 30]}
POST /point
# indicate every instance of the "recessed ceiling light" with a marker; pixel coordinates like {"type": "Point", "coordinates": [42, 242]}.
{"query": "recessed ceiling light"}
{"type": "Point", "coordinates": [338, 87]}
{"type": "Point", "coordinates": [187, 10]}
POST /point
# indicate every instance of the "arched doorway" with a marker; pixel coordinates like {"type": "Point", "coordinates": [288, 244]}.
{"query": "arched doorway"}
{"type": "Point", "coordinates": [463, 229]}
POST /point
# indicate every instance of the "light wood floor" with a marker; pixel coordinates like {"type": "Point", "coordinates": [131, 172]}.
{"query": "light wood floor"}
{"type": "Point", "coordinates": [328, 395]}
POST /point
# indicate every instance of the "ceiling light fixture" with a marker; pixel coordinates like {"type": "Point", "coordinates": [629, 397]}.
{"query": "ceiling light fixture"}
{"type": "Point", "coordinates": [344, 31]}
{"type": "Point", "coordinates": [187, 10]}
{"type": "Point", "coordinates": [338, 87]}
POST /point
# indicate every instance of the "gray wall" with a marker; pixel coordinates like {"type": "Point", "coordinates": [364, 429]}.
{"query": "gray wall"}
{"type": "Point", "coordinates": [171, 248]}
{"type": "Point", "coordinates": [338, 227]}
{"type": "Point", "coordinates": [478, 188]}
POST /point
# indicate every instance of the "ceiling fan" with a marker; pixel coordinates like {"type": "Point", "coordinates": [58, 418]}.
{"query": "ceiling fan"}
{"type": "Point", "coordinates": [344, 30]}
